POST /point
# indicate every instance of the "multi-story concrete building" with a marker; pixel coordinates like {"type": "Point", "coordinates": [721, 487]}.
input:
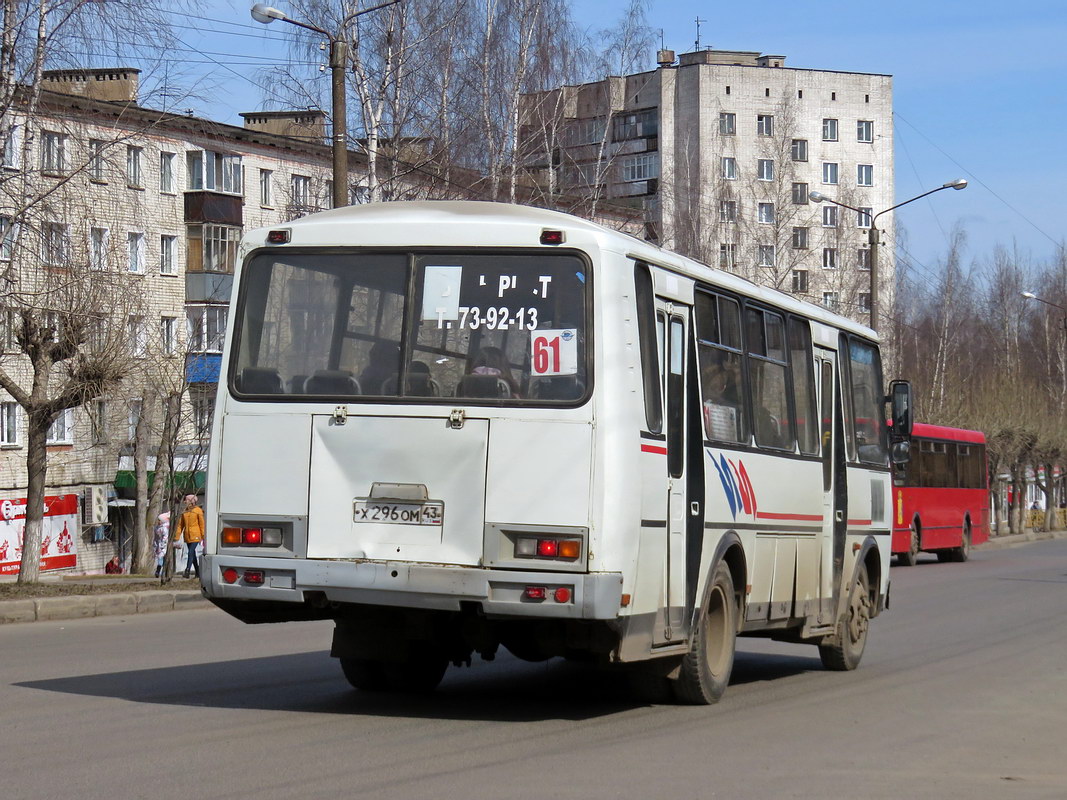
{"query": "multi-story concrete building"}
{"type": "Point", "coordinates": [158, 200]}
{"type": "Point", "coordinates": [722, 149]}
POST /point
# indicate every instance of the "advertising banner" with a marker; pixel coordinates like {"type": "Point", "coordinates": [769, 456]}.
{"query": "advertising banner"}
{"type": "Point", "coordinates": [59, 533]}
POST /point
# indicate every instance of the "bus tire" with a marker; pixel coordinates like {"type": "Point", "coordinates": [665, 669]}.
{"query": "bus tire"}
{"type": "Point", "coordinates": [705, 670]}
{"type": "Point", "coordinates": [365, 674]}
{"type": "Point", "coordinates": [419, 674]}
{"type": "Point", "coordinates": [908, 559]}
{"type": "Point", "coordinates": [963, 552]}
{"type": "Point", "coordinates": [845, 648]}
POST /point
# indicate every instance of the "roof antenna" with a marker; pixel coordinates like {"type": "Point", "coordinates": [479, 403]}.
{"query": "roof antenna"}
{"type": "Point", "coordinates": [697, 43]}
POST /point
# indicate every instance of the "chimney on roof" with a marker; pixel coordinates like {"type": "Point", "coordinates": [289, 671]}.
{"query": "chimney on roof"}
{"type": "Point", "coordinates": [665, 58]}
{"type": "Point", "coordinates": [308, 124]}
{"type": "Point", "coordinates": [118, 84]}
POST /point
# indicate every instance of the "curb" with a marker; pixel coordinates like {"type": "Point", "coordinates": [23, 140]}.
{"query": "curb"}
{"type": "Point", "coordinates": [1015, 540]}
{"type": "Point", "coordinates": [80, 606]}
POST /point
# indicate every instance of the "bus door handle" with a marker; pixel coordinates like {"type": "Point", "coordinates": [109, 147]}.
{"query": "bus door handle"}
{"type": "Point", "coordinates": [839, 516]}
{"type": "Point", "coordinates": [694, 508]}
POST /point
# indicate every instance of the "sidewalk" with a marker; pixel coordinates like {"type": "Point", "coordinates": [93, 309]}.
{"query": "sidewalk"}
{"type": "Point", "coordinates": [151, 600]}
{"type": "Point", "coordinates": [145, 596]}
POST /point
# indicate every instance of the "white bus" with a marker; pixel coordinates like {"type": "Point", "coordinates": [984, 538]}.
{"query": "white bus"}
{"type": "Point", "coordinates": [450, 426]}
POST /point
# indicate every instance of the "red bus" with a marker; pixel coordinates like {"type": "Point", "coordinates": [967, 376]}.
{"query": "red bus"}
{"type": "Point", "coordinates": [940, 497]}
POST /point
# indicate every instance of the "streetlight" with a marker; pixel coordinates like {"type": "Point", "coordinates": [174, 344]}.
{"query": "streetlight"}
{"type": "Point", "coordinates": [261, 12]}
{"type": "Point", "coordinates": [873, 234]}
{"type": "Point", "coordinates": [1032, 296]}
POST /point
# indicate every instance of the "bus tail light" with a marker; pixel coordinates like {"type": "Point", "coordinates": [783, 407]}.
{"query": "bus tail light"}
{"type": "Point", "coordinates": [543, 547]}
{"type": "Point", "coordinates": [254, 577]}
{"type": "Point", "coordinates": [252, 537]}
{"type": "Point", "coordinates": [535, 593]}
{"type": "Point", "coordinates": [562, 595]}
{"type": "Point", "coordinates": [230, 575]}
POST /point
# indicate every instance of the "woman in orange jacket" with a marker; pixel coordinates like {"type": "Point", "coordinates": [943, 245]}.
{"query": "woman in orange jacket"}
{"type": "Point", "coordinates": [191, 527]}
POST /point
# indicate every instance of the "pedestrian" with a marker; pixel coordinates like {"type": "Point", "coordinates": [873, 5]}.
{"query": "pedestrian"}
{"type": "Point", "coordinates": [191, 527]}
{"type": "Point", "coordinates": [160, 540]}
{"type": "Point", "coordinates": [113, 567]}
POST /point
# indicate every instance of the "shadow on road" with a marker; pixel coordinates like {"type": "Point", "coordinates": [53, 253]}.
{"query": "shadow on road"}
{"type": "Point", "coordinates": [507, 690]}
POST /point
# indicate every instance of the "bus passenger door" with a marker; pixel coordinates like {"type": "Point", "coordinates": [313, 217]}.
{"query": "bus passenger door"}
{"type": "Point", "coordinates": [835, 490]}
{"type": "Point", "coordinates": [678, 509]}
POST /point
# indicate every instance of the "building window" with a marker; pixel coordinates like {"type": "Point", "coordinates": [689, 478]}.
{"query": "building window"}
{"type": "Point", "coordinates": [135, 247]}
{"type": "Point", "coordinates": [800, 281]}
{"type": "Point", "coordinates": [8, 343]}
{"type": "Point", "coordinates": [213, 171]}
{"type": "Point", "coordinates": [54, 243]}
{"type": "Point", "coordinates": [168, 262]}
{"type": "Point", "coordinates": [863, 217]}
{"type": "Point", "coordinates": [829, 300]}
{"type": "Point", "coordinates": [586, 131]}
{"type": "Point", "coordinates": [765, 213]}
{"type": "Point", "coordinates": [765, 169]}
{"type": "Point", "coordinates": [12, 139]}
{"type": "Point", "coordinates": [133, 416]}
{"type": "Point", "coordinates": [133, 166]}
{"type": "Point", "coordinates": [727, 211]}
{"type": "Point", "coordinates": [800, 238]}
{"type": "Point", "coordinates": [203, 411]}
{"type": "Point", "coordinates": [639, 167]}
{"type": "Point", "coordinates": [212, 248]}
{"type": "Point", "coordinates": [53, 152]}
{"type": "Point", "coordinates": [206, 328]}
{"type": "Point", "coordinates": [729, 168]}
{"type": "Point", "coordinates": [166, 172]}
{"type": "Point", "coordinates": [829, 258]}
{"type": "Point", "coordinates": [7, 238]}
{"type": "Point", "coordinates": [766, 255]}
{"type": "Point", "coordinates": [829, 130]}
{"type": "Point", "coordinates": [800, 194]}
{"type": "Point", "coordinates": [865, 175]}
{"type": "Point", "coordinates": [727, 123]}
{"type": "Point", "coordinates": [266, 193]}
{"type": "Point", "coordinates": [636, 124]}
{"type": "Point", "coordinates": [97, 165]}
{"type": "Point", "coordinates": [301, 191]}
{"type": "Point", "coordinates": [829, 172]}
{"type": "Point", "coordinates": [863, 258]}
{"type": "Point", "coordinates": [765, 124]}
{"type": "Point", "coordinates": [829, 216]}
{"type": "Point", "coordinates": [99, 241]}
{"type": "Point", "coordinates": [864, 130]}
{"type": "Point", "coordinates": [9, 423]}
{"type": "Point", "coordinates": [799, 149]}
{"type": "Point", "coordinates": [864, 299]}
{"type": "Point", "coordinates": [136, 335]}
{"type": "Point", "coordinates": [727, 255]}
{"type": "Point", "coordinates": [62, 430]}
{"type": "Point", "coordinates": [168, 329]}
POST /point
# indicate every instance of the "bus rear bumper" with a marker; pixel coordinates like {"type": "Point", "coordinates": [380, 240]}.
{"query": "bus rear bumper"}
{"type": "Point", "coordinates": [426, 586]}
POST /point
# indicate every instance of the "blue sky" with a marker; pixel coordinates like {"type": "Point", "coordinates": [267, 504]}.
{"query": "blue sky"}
{"type": "Point", "coordinates": [980, 92]}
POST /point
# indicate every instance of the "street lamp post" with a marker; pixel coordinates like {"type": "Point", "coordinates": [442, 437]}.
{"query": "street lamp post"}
{"type": "Point", "coordinates": [261, 12]}
{"type": "Point", "coordinates": [1032, 296]}
{"type": "Point", "coordinates": [874, 235]}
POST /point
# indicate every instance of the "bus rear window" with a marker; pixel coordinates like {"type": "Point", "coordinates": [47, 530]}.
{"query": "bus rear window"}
{"type": "Point", "coordinates": [489, 327]}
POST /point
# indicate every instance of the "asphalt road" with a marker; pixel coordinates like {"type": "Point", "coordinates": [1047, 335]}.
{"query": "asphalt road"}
{"type": "Point", "coordinates": [962, 693]}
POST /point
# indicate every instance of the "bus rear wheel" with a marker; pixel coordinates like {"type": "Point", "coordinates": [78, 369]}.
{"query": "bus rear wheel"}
{"type": "Point", "coordinates": [963, 552]}
{"type": "Point", "coordinates": [418, 674]}
{"type": "Point", "coordinates": [845, 648]}
{"type": "Point", "coordinates": [705, 670]}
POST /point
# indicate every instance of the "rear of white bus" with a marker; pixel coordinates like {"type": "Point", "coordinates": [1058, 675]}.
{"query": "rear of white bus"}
{"type": "Point", "coordinates": [404, 441]}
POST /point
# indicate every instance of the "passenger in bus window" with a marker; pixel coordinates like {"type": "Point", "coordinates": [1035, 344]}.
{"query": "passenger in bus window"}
{"type": "Point", "coordinates": [492, 361]}
{"type": "Point", "coordinates": [383, 363]}
{"type": "Point", "coordinates": [721, 387]}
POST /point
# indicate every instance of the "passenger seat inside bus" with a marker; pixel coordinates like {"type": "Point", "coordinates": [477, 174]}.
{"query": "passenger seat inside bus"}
{"type": "Point", "coordinates": [482, 386]}
{"type": "Point", "coordinates": [556, 387]}
{"type": "Point", "coordinates": [332, 382]}
{"type": "Point", "coordinates": [260, 380]}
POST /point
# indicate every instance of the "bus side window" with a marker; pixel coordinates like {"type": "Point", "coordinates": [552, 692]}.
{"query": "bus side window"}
{"type": "Point", "coordinates": [649, 346]}
{"type": "Point", "coordinates": [803, 386]}
{"type": "Point", "coordinates": [721, 378]}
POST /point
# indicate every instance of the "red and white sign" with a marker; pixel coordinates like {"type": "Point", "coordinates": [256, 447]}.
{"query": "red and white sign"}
{"type": "Point", "coordinates": [554, 352]}
{"type": "Point", "coordinates": [59, 531]}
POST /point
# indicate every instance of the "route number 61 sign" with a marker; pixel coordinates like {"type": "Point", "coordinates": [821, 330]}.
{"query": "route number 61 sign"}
{"type": "Point", "coordinates": [554, 352]}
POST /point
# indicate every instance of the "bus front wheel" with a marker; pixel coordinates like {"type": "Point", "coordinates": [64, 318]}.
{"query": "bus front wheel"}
{"type": "Point", "coordinates": [845, 648]}
{"type": "Point", "coordinates": [705, 669]}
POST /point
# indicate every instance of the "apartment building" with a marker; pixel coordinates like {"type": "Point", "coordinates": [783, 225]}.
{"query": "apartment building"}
{"type": "Point", "coordinates": [721, 150]}
{"type": "Point", "coordinates": [160, 200]}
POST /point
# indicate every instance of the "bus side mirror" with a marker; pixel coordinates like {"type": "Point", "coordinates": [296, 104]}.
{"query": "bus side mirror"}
{"type": "Point", "coordinates": [900, 414]}
{"type": "Point", "coordinates": [900, 453]}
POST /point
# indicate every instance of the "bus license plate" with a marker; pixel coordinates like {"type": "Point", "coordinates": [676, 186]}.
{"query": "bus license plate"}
{"type": "Point", "coordinates": [429, 513]}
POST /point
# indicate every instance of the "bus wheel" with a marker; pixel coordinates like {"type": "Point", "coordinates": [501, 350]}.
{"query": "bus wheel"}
{"type": "Point", "coordinates": [365, 674]}
{"type": "Point", "coordinates": [705, 669]}
{"type": "Point", "coordinates": [420, 673]}
{"type": "Point", "coordinates": [845, 648]}
{"type": "Point", "coordinates": [908, 559]}
{"type": "Point", "coordinates": [963, 552]}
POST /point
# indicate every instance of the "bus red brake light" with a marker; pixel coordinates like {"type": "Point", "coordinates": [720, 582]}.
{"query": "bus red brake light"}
{"type": "Point", "coordinates": [535, 593]}
{"type": "Point", "coordinates": [278, 237]}
{"type": "Point", "coordinates": [230, 575]}
{"type": "Point", "coordinates": [549, 548]}
{"type": "Point", "coordinates": [252, 536]}
{"type": "Point", "coordinates": [254, 576]}
{"type": "Point", "coordinates": [552, 237]}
